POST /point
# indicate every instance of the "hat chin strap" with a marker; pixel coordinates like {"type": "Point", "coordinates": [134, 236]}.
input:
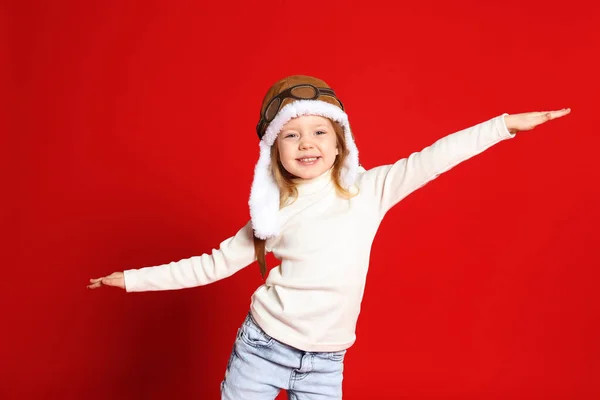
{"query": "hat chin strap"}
{"type": "Point", "coordinates": [264, 194]}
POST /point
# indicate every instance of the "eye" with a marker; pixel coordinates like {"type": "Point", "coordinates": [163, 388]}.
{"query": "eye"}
{"type": "Point", "coordinates": [320, 132]}
{"type": "Point", "coordinates": [289, 135]}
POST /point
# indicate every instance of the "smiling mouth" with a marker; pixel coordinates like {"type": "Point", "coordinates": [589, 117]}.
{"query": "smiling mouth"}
{"type": "Point", "coordinates": [308, 159]}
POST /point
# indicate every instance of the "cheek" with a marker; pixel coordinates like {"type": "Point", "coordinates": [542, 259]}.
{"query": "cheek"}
{"type": "Point", "coordinates": [284, 153]}
{"type": "Point", "coordinates": [332, 148]}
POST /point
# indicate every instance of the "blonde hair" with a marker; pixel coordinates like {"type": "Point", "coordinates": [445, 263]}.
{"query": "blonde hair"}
{"type": "Point", "coordinates": [287, 186]}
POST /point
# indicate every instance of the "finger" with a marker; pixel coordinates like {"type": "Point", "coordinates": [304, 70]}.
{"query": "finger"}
{"type": "Point", "coordinates": [545, 116]}
{"type": "Point", "coordinates": [560, 113]}
{"type": "Point", "coordinates": [94, 280]}
{"type": "Point", "coordinates": [94, 285]}
{"type": "Point", "coordinates": [556, 113]}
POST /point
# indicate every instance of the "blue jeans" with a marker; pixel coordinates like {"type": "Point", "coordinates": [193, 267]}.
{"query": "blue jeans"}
{"type": "Point", "coordinates": [260, 366]}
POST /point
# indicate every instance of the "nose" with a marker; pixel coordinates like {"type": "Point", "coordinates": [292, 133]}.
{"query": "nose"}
{"type": "Point", "coordinates": [305, 143]}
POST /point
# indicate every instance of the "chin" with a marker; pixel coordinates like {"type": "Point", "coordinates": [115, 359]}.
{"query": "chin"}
{"type": "Point", "coordinates": [309, 175]}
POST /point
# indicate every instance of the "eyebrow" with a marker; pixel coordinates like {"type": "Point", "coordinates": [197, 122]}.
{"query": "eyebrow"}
{"type": "Point", "coordinates": [320, 125]}
{"type": "Point", "coordinates": [311, 127]}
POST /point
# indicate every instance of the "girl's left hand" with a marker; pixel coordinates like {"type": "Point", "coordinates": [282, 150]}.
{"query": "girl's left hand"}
{"type": "Point", "coordinates": [528, 121]}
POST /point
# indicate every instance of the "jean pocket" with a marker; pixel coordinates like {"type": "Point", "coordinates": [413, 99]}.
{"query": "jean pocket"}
{"type": "Point", "coordinates": [337, 355]}
{"type": "Point", "coordinates": [255, 337]}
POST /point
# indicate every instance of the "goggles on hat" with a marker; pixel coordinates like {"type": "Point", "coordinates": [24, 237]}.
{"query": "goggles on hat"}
{"type": "Point", "coordinates": [303, 91]}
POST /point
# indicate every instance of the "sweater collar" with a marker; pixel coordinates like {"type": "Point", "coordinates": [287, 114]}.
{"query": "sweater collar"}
{"type": "Point", "coordinates": [311, 186]}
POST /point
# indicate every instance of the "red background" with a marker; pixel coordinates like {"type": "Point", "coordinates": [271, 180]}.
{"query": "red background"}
{"type": "Point", "coordinates": [131, 143]}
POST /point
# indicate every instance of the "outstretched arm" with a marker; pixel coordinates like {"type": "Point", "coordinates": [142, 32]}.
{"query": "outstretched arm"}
{"type": "Point", "coordinates": [232, 255]}
{"type": "Point", "coordinates": [391, 183]}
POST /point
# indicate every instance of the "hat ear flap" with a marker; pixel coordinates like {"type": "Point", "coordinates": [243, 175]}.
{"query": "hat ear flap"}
{"type": "Point", "coordinates": [264, 197]}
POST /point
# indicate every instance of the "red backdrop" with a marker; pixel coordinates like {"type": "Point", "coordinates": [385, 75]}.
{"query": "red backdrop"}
{"type": "Point", "coordinates": [131, 143]}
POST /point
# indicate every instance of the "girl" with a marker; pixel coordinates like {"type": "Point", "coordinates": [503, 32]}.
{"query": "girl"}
{"type": "Point", "coordinates": [317, 210]}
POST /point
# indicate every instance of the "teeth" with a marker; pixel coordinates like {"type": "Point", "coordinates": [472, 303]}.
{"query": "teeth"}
{"type": "Point", "coordinates": [308, 159]}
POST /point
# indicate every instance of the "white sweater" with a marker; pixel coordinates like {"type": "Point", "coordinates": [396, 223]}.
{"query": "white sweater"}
{"type": "Point", "coordinates": [312, 300]}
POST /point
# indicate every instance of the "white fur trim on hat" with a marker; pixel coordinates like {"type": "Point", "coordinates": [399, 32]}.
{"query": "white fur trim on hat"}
{"type": "Point", "coordinates": [264, 194]}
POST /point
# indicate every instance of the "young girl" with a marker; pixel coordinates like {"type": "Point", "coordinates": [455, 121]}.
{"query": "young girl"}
{"type": "Point", "coordinates": [317, 211]}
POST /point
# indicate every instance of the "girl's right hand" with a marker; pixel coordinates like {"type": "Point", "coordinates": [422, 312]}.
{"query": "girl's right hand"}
{"type": "Point", "coordinates": [115, 279]}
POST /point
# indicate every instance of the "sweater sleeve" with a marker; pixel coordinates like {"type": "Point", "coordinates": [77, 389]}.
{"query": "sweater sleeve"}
{"type": "Point", "coordinates": [392, 183]}
{"type": "Point", "coordinates": [232, 255]}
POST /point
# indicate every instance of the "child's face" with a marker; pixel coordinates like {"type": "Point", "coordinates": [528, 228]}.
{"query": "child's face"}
{"type": "Point", "coordinates": [307, 146]}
